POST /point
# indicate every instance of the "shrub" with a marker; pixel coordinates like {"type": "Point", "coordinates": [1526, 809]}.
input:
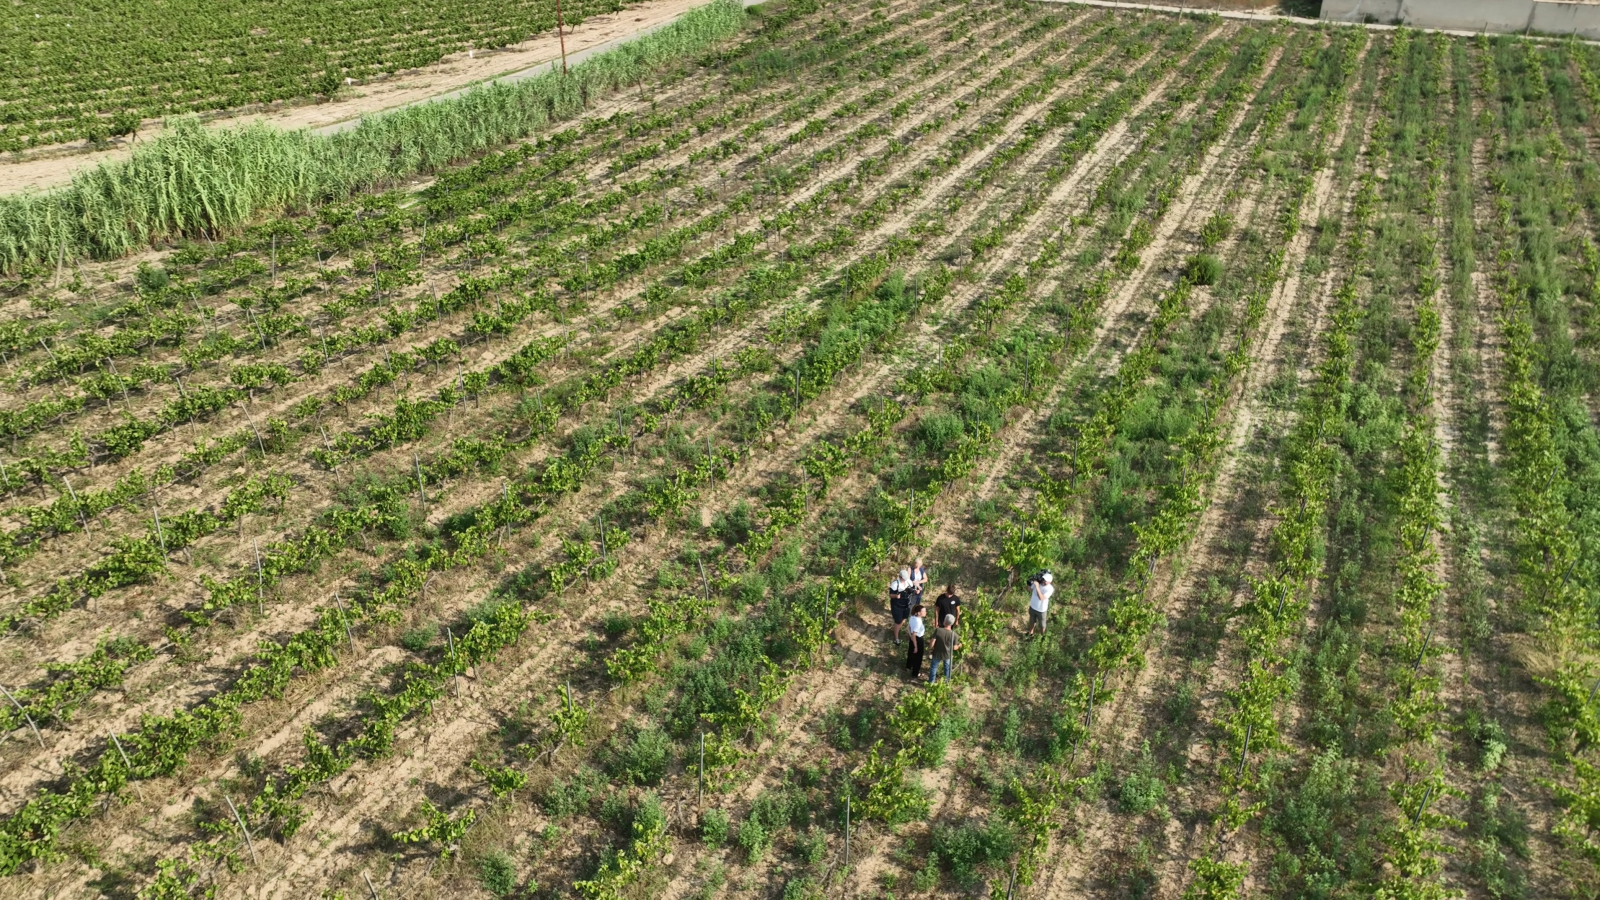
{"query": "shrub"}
{"type": "Point", "coordinates": [420, 638]}
{"type": "Point", "coordinates": [497, 874]}
{"type": "Point", "coordinates": [1203, 269]}
{"type": "Point", "coordinates": [812, 846]}
{"type": "Point", "coordinates": [570, 796]}
{"type": "Point", "coordinates": [641, 757]}
{"type": "Point", "coordinates": [937, 431]}
{"type": "Point", "coordinates": [967, 847]}
{"type": "Point", "coordinates": [714, 827]}
{"type": "Point", "coordinates": [1142, 789]}
{"type": "Point", "coordinates": [753, 839]}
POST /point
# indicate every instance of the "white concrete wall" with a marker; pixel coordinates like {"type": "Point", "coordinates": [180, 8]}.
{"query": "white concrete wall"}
{"type": "Point", "coordinates": [1381, 11]}
{"type": "Point", "coordinates": [1549, 16]}
{"type": "Point", "coordinates": [1581, 19]}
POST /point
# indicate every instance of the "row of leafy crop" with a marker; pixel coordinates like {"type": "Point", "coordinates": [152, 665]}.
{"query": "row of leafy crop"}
{"type": "Point", "coordinates": [1548, 473]}
{"type": "Point", "coordinates": [336, 534]}
{"type": "Point", "coordinates": [188, 178]}
{"type": "Point", "coordinates": [409, 416]}
{"type": "Point", "coordinates": [252, 581]}
{"type": "Point", "coordinates": [1033, 538]}
{"type": "Point", "coordinates": [107, 69]}
{"type": "Point", "coordinates": [808, 385]}
{"type": "Point", "coordinates": [93, 350]}
{"type": "Point", "coordinates": [243, 437]}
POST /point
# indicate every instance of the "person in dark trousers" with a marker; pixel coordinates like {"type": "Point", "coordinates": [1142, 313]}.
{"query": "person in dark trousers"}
{"type": "Point", "coordinates": [900, 600]}
{"type": "Point", "coordinates": [945, 643]}
{"type": "Point", "coordinates": [918, 633]}
{"type": "Point", "coordinates": [948, 604]}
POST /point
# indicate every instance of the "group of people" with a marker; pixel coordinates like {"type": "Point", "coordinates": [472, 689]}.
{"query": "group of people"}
{"type": "Point", "coordinates": [908, 611]}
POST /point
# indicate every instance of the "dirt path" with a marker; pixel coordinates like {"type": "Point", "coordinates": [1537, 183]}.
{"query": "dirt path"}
{"type": "Point", "coordinates": [54, 166]}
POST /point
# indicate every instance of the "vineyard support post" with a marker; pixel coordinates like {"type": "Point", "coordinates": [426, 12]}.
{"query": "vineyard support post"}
{"type": "Point", "coordinates": [561, 32]}
{"type": "Point", "coordinates": [1422, 807]}
{"type": "Point", "coordinates": [261, 578]}
{"type": "Point", "coordinates": [700, 792]}
{"type": "Point", "coordinates": [155, 511]}
{"type": "Point", "coordinates": [705, 583]}
{"type": "Point", "coordinates": [1013, 882]}
{"type": "Point", "coordinates": [126, 762]}
{"type": "Point", "coordinates": [344, 618]}
{"type": "Point", "coordinates": [602, 522]}
{"type": "Point", "coordinates": [36, 735]}
{"type": "Point", "coordinates": [422, 494]}
{"type": "Point", "coordinates": [242, 827]}
{"type": "Point", "coordinates": [369, 886]}
{"type": "Point", "coordinates": [77, 504]}
{"type": "Point", "coordinates": [1244, 752]}
{"type": "Point", "coordinates": [847, 831]}
{"type": "Point", "coordinates": [451, 638]}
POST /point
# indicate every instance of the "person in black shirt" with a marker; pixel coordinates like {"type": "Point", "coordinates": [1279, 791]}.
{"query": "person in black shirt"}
{"type": "Point", "coordinates": [948, 604]}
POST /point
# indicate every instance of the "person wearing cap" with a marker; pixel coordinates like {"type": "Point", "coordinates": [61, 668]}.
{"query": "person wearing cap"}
{"type": "Point", "coordinates": [900, 601]}
{"type": "Point", "coordinates": [945, 643]}
{"type": "Point", "coordinates": [1039, 594]}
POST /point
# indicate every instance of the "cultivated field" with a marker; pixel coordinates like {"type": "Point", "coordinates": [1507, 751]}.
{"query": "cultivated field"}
{"type": "Point", "coordinates": [523, 529]}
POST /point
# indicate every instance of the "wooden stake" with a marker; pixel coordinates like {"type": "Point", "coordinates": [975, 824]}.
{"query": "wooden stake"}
{"type": "Point", "coordinates": [369, 886]}
{"type": "Point", "coordinates": [126, 762]}
{"type": "Point", "coordinates": [847, 831]}
{"type": "Point", "coordinates": [242, 827]}
{"type": "Point", "coordinates": [452, 639]}
{"type": "Point", "coordinates": [700, 795]}
{"type": "Point", "coordinates": [421, 491]}
{"type": "Point", "coordinates": [36, 735]}
{"type": "Point", "coordinates": [561, 32]}
{"type": "Point", "coordinates": [156, 512]}
{"type": "Point", "coordinates": [1244, 752]}
{"type": "Point", "coordinates": [345, 619]}
{"type": "Point", "coordinates": [261, 580]}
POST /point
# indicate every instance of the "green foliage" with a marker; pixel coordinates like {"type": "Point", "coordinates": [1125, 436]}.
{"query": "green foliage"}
{"type": "Point", "coordinates": [639, 755]}
{"type": "Point", "coordinates": [1143, 789]}
{"type": "Point", "coordinates": [714, 827]}
{"type": "Point", "coordinates": [1203, 270]}
{"type": "Point", "coordinates": [441, 829]}
{"type": "Point", "coordinates": [570, 796]}
{"type": "Point", "coordinates": [753, 838]}
{"type": "Point", "coordinates": [197, 171]}
{"type": "Point", "coordinates": [497, 874]}
{"type": "Point", "coordinates": [966, 850]}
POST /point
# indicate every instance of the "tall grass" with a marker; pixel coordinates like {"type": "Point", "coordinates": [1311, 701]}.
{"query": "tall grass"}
{"type": "Point", "coordinates": [193, 178]}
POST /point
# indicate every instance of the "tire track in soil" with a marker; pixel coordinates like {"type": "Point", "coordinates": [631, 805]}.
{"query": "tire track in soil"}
{"type": "Point", "coordinates": [243, 643]}
{"type": "Point", "coordinates": [952, 180]}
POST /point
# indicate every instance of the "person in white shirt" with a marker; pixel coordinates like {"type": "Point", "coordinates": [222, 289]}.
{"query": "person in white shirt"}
{"type": "Point", "coordinates": [1039, 594]}
{"type": "Point", "coordinates": [919, 580]}
{"type": "Point", "coordinates": [917, 631]}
